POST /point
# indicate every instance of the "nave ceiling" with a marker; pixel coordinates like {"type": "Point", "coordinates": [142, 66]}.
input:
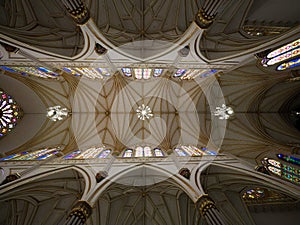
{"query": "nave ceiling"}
{"type": "Point", "coordinates": [148, 35]}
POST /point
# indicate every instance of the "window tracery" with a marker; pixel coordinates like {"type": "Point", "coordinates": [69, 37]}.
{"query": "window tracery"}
{"type": "Point", "coordinates": [40, 154]}
{"type": "Point", "coordinates": [287, 55]}
{"type": "Point", "coordinates": [90, 153]}
{"type": "Point", "coordinates": [10, 113]}
{"type": "Point", "coordinates": [282, 170]}
{"type": "Point", "coordinates": [142, 73]}
{"type": "Point", "coordinates": [190, 150]}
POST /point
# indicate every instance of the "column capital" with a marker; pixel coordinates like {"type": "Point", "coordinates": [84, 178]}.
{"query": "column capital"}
{"type": "Point", "coordinates": [205, 203]}
{"type": "Point", "coordinates": [203, 20]}
{"type": "Point", "coordinates": [77, 10]}
{"type": "Point", "coordinates": [80, 212]}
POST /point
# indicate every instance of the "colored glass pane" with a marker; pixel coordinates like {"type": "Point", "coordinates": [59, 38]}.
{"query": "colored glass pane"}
{"type": "Point", "coordinates": [73, 154]}
{"type": "Point", "coordinates": [104, 71]}
{"type": "Point", "coordinates": [128, 153]}
{"type": "Point", "coordinates": [180, 152]}
{"type": "Point", "coordinates": [13, 156]}
{"type": "Point", "coordinates": [34, 155]}
{"type": "Point", "coordinates": [147, 151]}
{"type": "Point", "coordinates": [157, 72]}
{"type": "Point", "coordinates": [290, 159]}
{"type": "Point", "coordinates": [7, 69]}
{"type": "Point", "coordinates": [36, 71]}
{"type": "Point", "coordinates": [146, 73]}
{"type": "Point", "coordinates": [71, 71]}
{"type": "Point", "coordinates": [10, 113]}
{"type": "Point", "coordinates": [274, 163]}
{"type": "Point", "coordinates": [288, 65]}
{"type": "Point", "coordinates": [138, 73]}
{"type": "Point", "coordinates": [191, 150]}
{"type": "Point", "coordinates": [92, 73]}
{"type": "Point", "coordinates": [104, 153]}
{"type": "Point", "coordinates": [139, 152]}
{"type": "Point", "coordinates": [127, 72]}
{"type": "Point", "coordinates": [275, 170]}
{"type": "Point", "coordinates": [283, 57]}
{"type": "Point", "coordinates": [180, 72]}
{"type": "Point", "coordinates": [158, 152]}
{"type": "Point", "coordinates": [285, 48]}
{"type": "Point", "coordinates": [252, 194]}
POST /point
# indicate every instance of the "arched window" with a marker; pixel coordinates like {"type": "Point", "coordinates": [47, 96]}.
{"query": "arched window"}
{"type": "Point", "coordinates": [128, 153]}
{"type": "Point", "coordinates": [259, 195]}
{"type": "Point", "coordinates": [88, 72]}
{"type": "Point", "coordinates": [40, 154]}
{"type": "Point", "coordinates": [127, 72]}
{"type": "Point", "coordinates": [90, 153]}
{"type": "Point", "coordinates": [32, 71]}
{"type": "Point", "coordinates": [286, 55]}
{"type": "Point", "coordinates": [289, 64]}
{"type": "Point", "coordinates": [10, 113]}
{"type": "Point", "coordinates": [289, 159]}
{"type": "Point", "coordinates": [189, 150]}
{"type": "Point", "coordinates": [256, 193]}
{"type": "Point", "coordinates": [282, 170]}
{"type": "Point", "coordinates": [140, 151]}
{"type": "Point", "coordinates": [188, 74]}
{"type": "Point", "coordinates": [141, 73]}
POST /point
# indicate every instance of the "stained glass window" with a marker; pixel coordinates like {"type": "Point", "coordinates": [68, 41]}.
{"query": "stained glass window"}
{"type": "Point", "coordinates": [127, 72]}
{"type": "Point", "coordinates": [256, 193]}
{"type": "Point", "coordinates": [179, 73]}
{"type": "Point", "coordinates": [72, 71]}
{"type": "Point", "coordinates": [289, 159]}
{"type": "Point", "coordinates": [157, 72]}
{"type": "Point", "coordinates": [10, 113]}
{"type": "Point", "coordinates": [40, 154]}
{"type": "Point", "coordinates": [146, 73]}
{"type": "Point", "coordinates": [35, 71]}
{"type": "Point", "coordinates": [141, 73]}
{"type": "Point", "coordinates": [283, 57]}
{"type": "Point", "coordinates": [147, 151]}
{"type": "Point", "coordinates": [88, 72]}
{"type": "Point", "coordinates": [180, 152]}
{"type": "Point", "coordinates": [290, 64]}
{"type": "Point", "coordinates": [138, 73]}
{"type": "Point", "coordinates": [285, 48]}
{"type": "Point", "coordinates": [283, 54]}
{"type": "Point", "coordinates": [193, 73]}
{"type": "Point", "coordinates": [72, 155]}
{"type": "Point", "coordinates": [90, 153]}
{"type": "Point", "coordinates": [128, 153]}
{"type": "Point", "coordinates": [285, 171]}
{"type": "Point", "coordinates": [259, 195]}
{"type": "Point", "coordinates": [140, 151]}
{"type": "Point", "coordinates": [158, 152]}
{"type": "Point", "coordinates": [104, 153]}
{"type": "Point", "coordinates": [189, 150]}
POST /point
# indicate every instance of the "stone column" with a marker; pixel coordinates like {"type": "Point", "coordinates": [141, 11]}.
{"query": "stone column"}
{"type": "Point", "coordinates": [79, 214]}
{"type": "Point", "coordinates": [209, 211]}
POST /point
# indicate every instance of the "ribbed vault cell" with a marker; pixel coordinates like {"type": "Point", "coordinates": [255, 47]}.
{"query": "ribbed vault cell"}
{"type": "Point", "coordinates": [159, 204]}
{"type": "Point", "coordinates": [126, 21]}
{"type": "Point", "coordinates": [53, 30]}
{"type": "Point", "coordinates": [45, 201]}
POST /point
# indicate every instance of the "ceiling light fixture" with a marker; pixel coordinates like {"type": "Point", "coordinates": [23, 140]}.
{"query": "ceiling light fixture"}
{"type": "Point", "coordinates": [144, 112]}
